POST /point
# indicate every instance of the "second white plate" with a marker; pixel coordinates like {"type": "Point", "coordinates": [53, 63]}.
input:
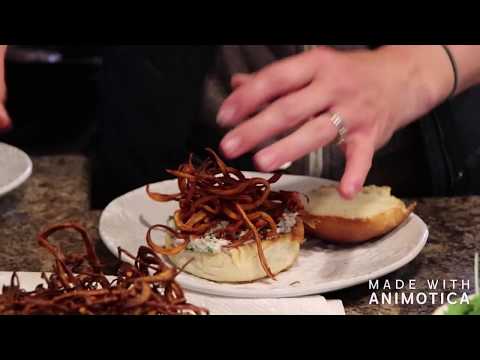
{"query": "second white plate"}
{"type": "Point", "coordinates": [320, 268]}
{"type": "Point", "coordinates": [15, 168]}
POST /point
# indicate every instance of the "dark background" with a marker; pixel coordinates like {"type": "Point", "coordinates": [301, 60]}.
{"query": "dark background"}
{"type": "Point", "coordinates": [62, 102]}
{"type": "Point", "coordinates": [51, 97]}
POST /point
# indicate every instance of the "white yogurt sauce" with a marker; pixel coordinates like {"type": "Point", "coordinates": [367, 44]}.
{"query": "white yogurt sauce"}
{"type": "Point", "coordinates": [209, 243]}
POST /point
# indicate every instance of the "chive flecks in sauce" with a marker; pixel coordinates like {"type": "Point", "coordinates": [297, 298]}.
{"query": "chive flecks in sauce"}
{"type": "Point", "coordinates": [209, 243]}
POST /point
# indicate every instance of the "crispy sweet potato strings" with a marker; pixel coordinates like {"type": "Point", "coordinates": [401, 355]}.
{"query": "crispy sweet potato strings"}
{"type": "Point", "coordinates": [213, 192]}
{"type": "Point", "coordinates": [261, 255]}
{"type": "Point", "coordinates": [78, 286]}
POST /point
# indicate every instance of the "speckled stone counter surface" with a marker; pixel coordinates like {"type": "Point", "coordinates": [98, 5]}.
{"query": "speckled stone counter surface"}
{"type": "Point", "coordinates": [58, 192]}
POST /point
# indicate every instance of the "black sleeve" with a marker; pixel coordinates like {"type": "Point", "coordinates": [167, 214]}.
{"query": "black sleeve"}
{"type": "Point", "coordinates": [452, 145]}
{"type": "Point", "coordinates": [150, 104]}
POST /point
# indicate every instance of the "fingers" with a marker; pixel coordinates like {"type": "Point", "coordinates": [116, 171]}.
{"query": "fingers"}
{"type": "Point", "coordinates": [311, 136]}
{"type": "Point", "coordinates": [359, 154]}
{"type": "Point", "coordinates": [5, 122]}
{"type": "Point", "coordinates": [277, 79]}
{"type": "Point", "coordinates": [282, 97]}
{"type": "Point", "coordinates": [284, 114]}
{"type": "Point", "coordinates": [314, 135]}
{"type": "Point", "coordinates": [240, 79]}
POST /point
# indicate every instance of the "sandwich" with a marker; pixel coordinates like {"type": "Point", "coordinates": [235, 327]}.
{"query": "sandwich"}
{"type": "Point", "coordinates": [229, 228]}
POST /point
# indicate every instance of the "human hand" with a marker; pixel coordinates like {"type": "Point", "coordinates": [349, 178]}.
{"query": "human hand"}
{"type": "Point", "coordinates": [5, 122]}
{"type": "Point", "coordinates": [376, 92]}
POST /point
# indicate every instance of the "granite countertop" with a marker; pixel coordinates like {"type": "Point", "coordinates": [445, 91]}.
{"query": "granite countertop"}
{"type": "Point", "coordinates": [58, 192]}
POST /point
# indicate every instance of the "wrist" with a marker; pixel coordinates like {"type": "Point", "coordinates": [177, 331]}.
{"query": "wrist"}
{"type": "Point", "coordinates": [427, 73]}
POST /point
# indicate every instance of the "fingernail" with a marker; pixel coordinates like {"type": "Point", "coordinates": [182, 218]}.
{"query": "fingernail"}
{"type": "Point", "coordinates": [230, 146]}
{"type": "Point", "coordinates": [286, 166]}
{"type": "Point", "coordinates": [350, 191]}
{"type": "Point", "coordinates": [266, 162]}
{"type": "Point", "coordinates": [225, 116]}
{"type": "Point", "coordinates": [347, 192]}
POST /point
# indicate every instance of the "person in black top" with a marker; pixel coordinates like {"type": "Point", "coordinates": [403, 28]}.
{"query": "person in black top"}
{"type": "Point", "coordinates": [153, 111]}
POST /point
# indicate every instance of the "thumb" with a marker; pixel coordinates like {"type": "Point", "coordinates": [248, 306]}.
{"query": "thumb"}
{"type": "Point", "coordinates": [5, 121]}
{"type": "Point", "coordinates": [240, 79]}
{"type": "Point", "coordinates": [4, 118]}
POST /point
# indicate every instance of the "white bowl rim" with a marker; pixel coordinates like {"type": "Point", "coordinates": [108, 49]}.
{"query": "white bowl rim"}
{"type": "Point", "coordinates": [22, 177]}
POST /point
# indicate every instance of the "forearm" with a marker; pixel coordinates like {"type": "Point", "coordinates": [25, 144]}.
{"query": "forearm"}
{"type": "Point", "coordinates": [468, 63]}
{"type": "Point", "coordinates": [435, 69]}
{"type": "Point", "coordinates": [428, 76]}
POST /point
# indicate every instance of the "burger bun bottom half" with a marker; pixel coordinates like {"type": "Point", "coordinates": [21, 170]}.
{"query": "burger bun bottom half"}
{"type": "Point", "coordinates": [242, 264]}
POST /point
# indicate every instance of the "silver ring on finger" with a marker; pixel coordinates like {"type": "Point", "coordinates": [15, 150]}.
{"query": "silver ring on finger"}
{"type": "Point", "coordinates": [339, 123]}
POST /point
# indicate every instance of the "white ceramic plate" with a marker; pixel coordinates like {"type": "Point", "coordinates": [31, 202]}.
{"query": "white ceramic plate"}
{"type": "Point", "coordinates": [320, 268]}
{"type": "Point", "coordinates": [15, 168]}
